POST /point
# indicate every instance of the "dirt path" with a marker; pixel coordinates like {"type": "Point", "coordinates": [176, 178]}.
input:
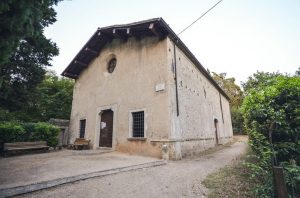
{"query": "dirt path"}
{"type": "Point", "coordinates": [176, 179]}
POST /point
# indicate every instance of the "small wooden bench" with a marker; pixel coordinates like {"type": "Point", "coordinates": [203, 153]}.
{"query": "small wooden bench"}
{"type": "Point", "coordinates": [18, 147]}
{"type": "Point", "coordinates": [81, 143]}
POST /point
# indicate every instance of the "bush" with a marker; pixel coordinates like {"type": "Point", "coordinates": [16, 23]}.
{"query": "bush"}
{"type": "Point", "coordinates": [276, 109]}
{"type": "Point", "coordinates": [46, 132]}
{"type": "Point", "coordinates": [237, 121]}
{"type": "Point", "coordinates": [292, 177]}
{"type": "Point", "coordinates": [24, 132]}
{"type": "Point", "coordinates": [11, 132]}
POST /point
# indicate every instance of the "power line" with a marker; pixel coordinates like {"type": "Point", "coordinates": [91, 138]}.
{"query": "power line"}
{"type": "Point", "coordinates": [200, 17]}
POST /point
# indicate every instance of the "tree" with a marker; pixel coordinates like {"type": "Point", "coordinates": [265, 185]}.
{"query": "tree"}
{"type": "Point", "coordinates": [24, 50]}
{"type": "Point", "coordinates": [54, 98]}
{"type": "Point", "coordinates": [297, 73]}
{"type": "Point", "coordinates": [23, 21]}
{"type": "Point", "coordinates": [233, 91]}
{"type": "Point", "coordinates": [259, 80]}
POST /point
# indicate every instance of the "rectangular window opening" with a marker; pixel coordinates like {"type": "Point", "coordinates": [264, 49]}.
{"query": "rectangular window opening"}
{"type": "Point", "coordinates": [82, 128]}
{"type": "Point", "coordinates": [138, 124]}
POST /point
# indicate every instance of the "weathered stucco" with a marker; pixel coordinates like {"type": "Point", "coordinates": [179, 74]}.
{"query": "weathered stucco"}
{"type": "Point", "coordinates": [141, 66]}
{"type": "Point", "coordinates": [199, 105]}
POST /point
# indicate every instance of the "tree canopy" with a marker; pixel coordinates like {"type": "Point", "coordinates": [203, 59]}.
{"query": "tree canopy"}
{"type": "Point", "coordinates": [23, 21]}
{"type": "Point", "coordinates": [24, 50]}
{"type": "Point", "coordinates": [54, 98]}
{"type": "Point", "coordinates": [233, 91]}
{"type": "Point", "coordinates": [259, 80]}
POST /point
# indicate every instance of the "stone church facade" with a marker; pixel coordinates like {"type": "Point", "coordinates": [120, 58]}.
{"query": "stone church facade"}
{"type": "Point", "coordinates": [138, 87]}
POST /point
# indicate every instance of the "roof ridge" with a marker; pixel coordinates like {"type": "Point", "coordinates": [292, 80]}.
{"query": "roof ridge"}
{"type": "Point", "coordinates": [131, 24]}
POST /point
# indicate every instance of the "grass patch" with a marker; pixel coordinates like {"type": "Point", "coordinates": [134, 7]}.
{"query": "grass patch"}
{"type": "Point", "coordinates": [230, 181]}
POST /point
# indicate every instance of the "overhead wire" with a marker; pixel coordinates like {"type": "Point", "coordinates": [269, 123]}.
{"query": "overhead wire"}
{"type": "Point", "coordinates": [200, 17]}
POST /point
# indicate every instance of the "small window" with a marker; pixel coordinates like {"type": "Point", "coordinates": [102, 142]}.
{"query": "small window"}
{"type": "Point", "coordinates": [82, 128]}
{"type": "Point", "coordinates": [111, 65]}
{"type": "Point", "coordinates": [138, 124]}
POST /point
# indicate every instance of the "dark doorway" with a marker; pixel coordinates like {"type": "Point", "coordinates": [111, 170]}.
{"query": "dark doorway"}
{"type": "Point", "coordinates": [82, 128]}
{"type": "Point", "coordinates": [106, 128]}
{"type": "Point", "coordinates": [216, 131]}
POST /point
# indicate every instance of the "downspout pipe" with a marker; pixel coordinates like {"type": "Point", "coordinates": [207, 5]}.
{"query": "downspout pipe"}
{"type": "Point", "coordinates": [176, 87]}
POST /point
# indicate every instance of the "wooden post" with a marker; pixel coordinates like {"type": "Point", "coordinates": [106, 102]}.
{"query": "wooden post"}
{"type": "Point", "coordinates": [279, 183]}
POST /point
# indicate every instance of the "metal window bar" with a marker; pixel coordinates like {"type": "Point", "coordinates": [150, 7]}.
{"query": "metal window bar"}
{"type": "Point", "coordinates": [82, 128]}
{"type": "Point", "coordinates": [138, 124]}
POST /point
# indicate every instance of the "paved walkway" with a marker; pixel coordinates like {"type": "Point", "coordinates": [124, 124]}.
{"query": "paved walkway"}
{"type": "Point", "coordinates": [50, 169]}
{"type": "Point", "coordinates": [176, 179]}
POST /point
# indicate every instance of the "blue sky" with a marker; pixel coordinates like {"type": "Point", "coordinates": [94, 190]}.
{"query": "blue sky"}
{"type": "Point", "coordinates": [238, 37]}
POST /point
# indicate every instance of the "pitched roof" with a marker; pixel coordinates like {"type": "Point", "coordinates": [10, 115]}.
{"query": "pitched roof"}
{"type": "Point", "coordinates": [152, 27]}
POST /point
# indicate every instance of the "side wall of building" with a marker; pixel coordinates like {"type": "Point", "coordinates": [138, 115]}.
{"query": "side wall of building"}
{"type": "Point", "coordinates": [141, 67]}
{"type": "Point", "coordinates": [200, 106]}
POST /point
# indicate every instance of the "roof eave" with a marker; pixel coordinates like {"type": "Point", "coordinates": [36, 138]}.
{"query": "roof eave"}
{"type": "Point", "coordinates": [189, 54]}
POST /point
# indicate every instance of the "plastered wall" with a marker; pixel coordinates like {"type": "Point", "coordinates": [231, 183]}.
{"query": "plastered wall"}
{"type": "Point", "coordinates": [199, 105]}
{"type": "Point", "coordinates": [141, 65]}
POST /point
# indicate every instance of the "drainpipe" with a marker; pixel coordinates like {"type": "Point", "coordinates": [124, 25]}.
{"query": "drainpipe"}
{"type": "Point", "coordinates": [176, 88]}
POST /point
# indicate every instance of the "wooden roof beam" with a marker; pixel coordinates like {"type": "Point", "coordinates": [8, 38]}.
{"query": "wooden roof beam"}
{"type": "Point", "coordinates": [80, 63]}
{"type": "Point", "coordinates": [131, 33]}
{"type": "Point", "coordinates": [155, 31]}
{"type": "Point", "coordinates": [91, 51]}
{"type": "Point", "coordinates": [70, 75]}
{"type": "Point", "coordinates": [105, 35]}
{"type": "Point", "coordinates": [117, 33]}
{"type": "Point", "coordinates": [128, 32]}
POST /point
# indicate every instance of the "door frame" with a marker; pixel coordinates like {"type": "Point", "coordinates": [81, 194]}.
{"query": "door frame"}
{"type": "Point", "coordinates": [99, 111]}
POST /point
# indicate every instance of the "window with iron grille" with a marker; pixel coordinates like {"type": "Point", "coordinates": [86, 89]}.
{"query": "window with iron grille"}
{"type": "Point", "coordinates": [138, 124]}
{"type": "Point", "coordinates": [82, 128]}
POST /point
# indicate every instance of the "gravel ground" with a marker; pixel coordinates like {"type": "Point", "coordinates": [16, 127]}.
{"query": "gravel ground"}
{"type": "Point", "coordinates": [29, 169]}
{"type": "Point", "coordinates": [176, 179]}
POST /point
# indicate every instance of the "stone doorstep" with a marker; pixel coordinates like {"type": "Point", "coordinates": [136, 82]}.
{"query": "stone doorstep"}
{"type": "Point", "coordinates": [7, 192]}
{"type": "Point", "coordinates": [91, 152]}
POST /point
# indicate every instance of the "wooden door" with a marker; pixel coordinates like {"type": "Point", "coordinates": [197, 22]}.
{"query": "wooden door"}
{"type": "Point", "coordinates": [106, 128]}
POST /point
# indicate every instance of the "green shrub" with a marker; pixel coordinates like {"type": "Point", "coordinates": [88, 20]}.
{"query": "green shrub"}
{"type": "Point", "coordinates": [237, 121]}
{"type": "Point", "coordinates": [23, 132]}
{"type": "Point", "coordinates": [11, 132]}
{"type": "Point", "coordinates": [278, 106]}
{"type": "Point", "coordinates": [292, 176]}
{"type": "Point", "coordinates": [274, 108]}
{"type": "Point", "coordinates": [28, 129]}
{"type": "Point", "coordinates": [46, 132]}
{"type": "Point", "coordinates": [5, 115]}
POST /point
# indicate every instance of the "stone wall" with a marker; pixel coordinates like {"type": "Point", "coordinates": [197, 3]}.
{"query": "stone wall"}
{"type": "Point", "coordinates": [199, 106]}
{"type": "Point", "coordinates": [63, 136]}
